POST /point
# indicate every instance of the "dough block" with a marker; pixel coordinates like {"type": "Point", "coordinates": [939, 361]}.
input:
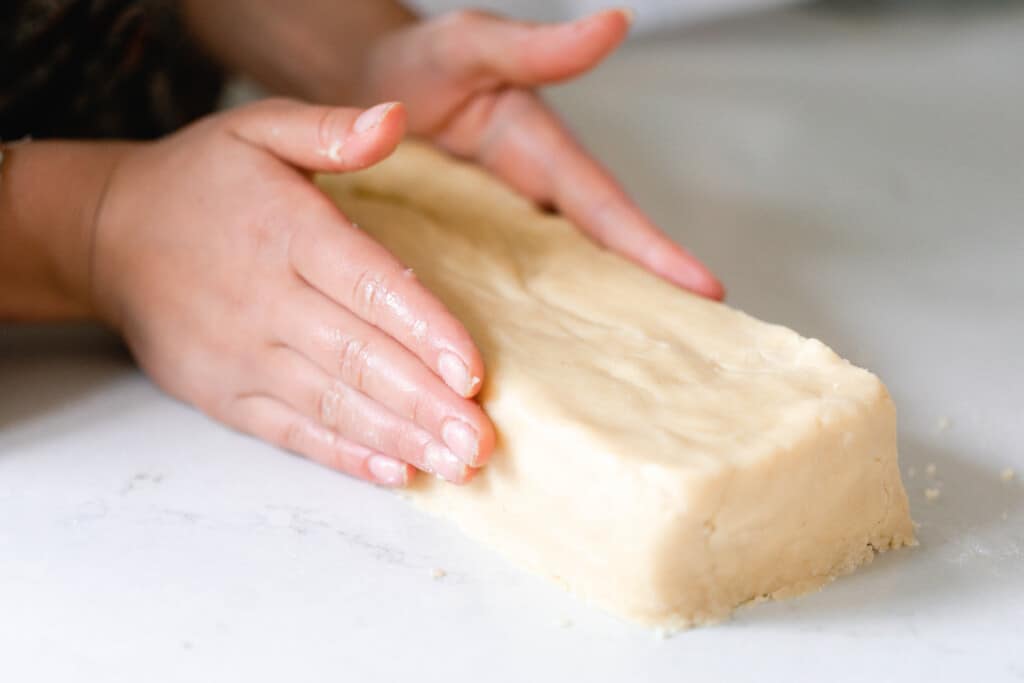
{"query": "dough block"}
{"type": "Point", "coordinates": [662, 456]}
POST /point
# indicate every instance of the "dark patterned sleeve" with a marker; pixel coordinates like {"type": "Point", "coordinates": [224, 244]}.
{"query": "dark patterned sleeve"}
{"type": "Point", "coordinates": [100, 69]}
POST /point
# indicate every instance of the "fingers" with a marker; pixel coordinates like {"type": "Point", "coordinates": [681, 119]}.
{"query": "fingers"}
{"type": "Point", "coordinates": [356, 272]}
{"type": "Point", "coordinates": [477, 45]}
{"type": "Point", "coordinates": [332, 404]}
{"type": "Point", "coordinates": [274, 421]}
{"type": "Point", "coordinates": [374, 364]}
{"type": "Point", "coordinates": [589, 197]}
{"type": "Point", "coordinates": [321, 138]}
{"type": "Point", "coordinates": [519, 139]}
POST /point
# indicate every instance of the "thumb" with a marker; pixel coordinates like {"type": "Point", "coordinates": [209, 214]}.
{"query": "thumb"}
{"type": "Point", "coordinates": [321, 138]}
{"type": "Point", "coordinates": [478, 45]}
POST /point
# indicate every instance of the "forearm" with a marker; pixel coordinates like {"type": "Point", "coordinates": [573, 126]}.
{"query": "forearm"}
{"type": "Point", "coordinates": [311, 49]}
{"type": "Point", "coordinates": [50, 193]}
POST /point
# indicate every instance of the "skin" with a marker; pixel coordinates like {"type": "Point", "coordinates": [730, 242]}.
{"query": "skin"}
{"type": "Point", "coordinates": [241, 289]}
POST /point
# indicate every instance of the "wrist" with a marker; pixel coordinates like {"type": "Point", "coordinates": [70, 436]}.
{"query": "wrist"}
{"type": "Point", "coordinates": [50, 195]}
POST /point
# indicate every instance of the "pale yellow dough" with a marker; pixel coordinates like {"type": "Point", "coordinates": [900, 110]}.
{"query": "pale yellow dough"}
{"type": "Point", "coordinates": [660, 455]}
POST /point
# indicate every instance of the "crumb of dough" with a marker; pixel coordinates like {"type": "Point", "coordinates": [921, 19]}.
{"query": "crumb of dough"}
{"type": "Point", "coordinates": [1008, 474]}
{"type": "Point", "coordinates": [662, 633]}
{"type": "Point", "coordinates": [438, 573]}
{"type": "Point", "coordinates": [930, 470]}
{"type": "Point", "coordinates": [944, 424]}
{"type": "Point", "coordinates": [1005, 515]}
{"type": "Point", "coordinates": [931, 494]}
{"type": "Point", "coordinates": [911, 472]}
{"type": "Point", "coordinates": [564, 622]}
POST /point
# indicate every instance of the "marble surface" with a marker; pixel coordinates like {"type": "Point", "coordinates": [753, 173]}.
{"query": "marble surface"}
{"type": "Point", "coordinates": [858, 176]}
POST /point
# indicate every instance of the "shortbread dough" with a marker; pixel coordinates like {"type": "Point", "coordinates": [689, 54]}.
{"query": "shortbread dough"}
{"type": "Point", "coordinates": [665, 457]}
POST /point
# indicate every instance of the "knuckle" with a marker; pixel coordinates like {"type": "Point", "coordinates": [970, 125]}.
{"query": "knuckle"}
{"type": "Point", "coordinates": [342, 459]}
{"type": "Point", "coordinates": [369, 294]}
{"type": "Point", "coordinates": [330, 130]}
{"type": "Point", "coordinates": [451, 52]}
{"type": "Point", "coordinates": [355, 360]}
{"type": "Point", "coordinates": [456, 44]}
{"type": "Point", "coordinates": [337, 452]}
{"type": "Point", "coordinates": [419, 408]}
{"type": "Point", "coordinates": [330, 406]}
{"type": "Point", "coordinates": [324, 130]}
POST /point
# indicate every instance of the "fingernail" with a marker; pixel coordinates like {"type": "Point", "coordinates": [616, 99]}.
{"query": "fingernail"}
{"type": "Point", "coordinates": [372, 117]}
{"type": "Point", "coordinates": [628, 14]}
{"type": "Point", "coordinates": [443, 463]}
{"type": "Point", "coordinates": [698, 280]}
{"type": "Point", "coordinates": [388, 471]}
{"type": "Point", "coordinates": [461, 439]}
{"type": "Point", "coordinates": [455, 373]}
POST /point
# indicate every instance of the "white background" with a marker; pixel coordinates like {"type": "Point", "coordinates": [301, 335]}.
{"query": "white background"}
{"type": "Point", "coordinates": [859, 177]}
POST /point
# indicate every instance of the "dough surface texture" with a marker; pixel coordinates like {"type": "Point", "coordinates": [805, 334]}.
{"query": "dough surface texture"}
{"type": "Point", "coordinates": [662, 456]}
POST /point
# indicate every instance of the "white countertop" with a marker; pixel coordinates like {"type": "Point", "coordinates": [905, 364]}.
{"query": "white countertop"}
{"type": "Point", "coordinates": [857, 177]}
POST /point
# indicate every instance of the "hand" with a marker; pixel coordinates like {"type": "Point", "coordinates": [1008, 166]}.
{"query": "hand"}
{"type": "Point", "coordinates": [466, 79]}
{"type": "Point", "coordinates": [242, 289]}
